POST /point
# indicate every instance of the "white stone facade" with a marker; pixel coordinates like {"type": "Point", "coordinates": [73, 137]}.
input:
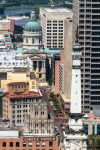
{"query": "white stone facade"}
{"type": "Point", "coordinates": [75, 139]}
{"type": "Point", "coordinates": [9, 61]}
{"type": "Point", "coordinates": [32, 40]}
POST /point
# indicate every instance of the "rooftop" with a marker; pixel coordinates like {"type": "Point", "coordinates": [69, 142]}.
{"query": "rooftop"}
{"type": "Point", "coordinates": [5, 20]}
{"type": "Point", "coordinates": [22, 95]}
{"type": "Point", "coordinates": [33, 26]}
{"type": "Point", "coordinates": [57, 10]}
{"type": "Point", "coordinates": [92, 115]}
{"type": "Point", "coordinates": [17, 83]}
{"type": "Point", "coordinates": [42, 135]}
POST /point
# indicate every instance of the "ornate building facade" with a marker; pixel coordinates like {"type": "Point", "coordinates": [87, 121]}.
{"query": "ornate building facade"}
{"type": "Point", "coordinates": [32, 35]}
{"type": "Point", "coordinates": [33, 47]}
{"type": "Point", "coordinates": [38, 121]}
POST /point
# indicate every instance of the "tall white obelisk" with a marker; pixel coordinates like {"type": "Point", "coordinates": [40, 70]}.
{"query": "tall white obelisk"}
{"type": "Point", "coordinates": [75, 139]}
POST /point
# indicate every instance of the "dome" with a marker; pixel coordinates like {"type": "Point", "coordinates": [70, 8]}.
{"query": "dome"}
{"type": "Point", "coordinates": [32, 26]}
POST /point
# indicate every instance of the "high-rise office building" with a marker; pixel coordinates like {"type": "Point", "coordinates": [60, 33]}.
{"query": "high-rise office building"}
{"type": "Point", "coordinates": [86, 20]}
{"type": "Point", "coordinates": [53, 26]}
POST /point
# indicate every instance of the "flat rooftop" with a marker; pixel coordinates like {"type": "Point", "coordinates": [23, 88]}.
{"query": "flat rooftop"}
{"type": "Point", "coordinates": [17, 83]}
{"type": "Point", "coordinates": [4, 20]}
{"type": "Point", "coordinates": [22, 95]}
{"type": "Point", "coordinates": [57, 10]}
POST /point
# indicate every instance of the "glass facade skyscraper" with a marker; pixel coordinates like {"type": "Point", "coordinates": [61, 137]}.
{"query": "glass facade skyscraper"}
{"type": "Point", "coordinates": [86, 18]}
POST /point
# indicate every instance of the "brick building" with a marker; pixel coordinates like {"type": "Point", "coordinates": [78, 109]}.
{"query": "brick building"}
{"type": "Point", "coordinates": [10, 140]}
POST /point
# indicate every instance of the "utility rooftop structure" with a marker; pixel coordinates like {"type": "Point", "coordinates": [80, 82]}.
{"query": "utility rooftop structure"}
{"type": "Point", "coordinates": [57, 10]}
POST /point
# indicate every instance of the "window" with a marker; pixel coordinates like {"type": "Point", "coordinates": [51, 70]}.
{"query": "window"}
{"type": "Point", "coordinates": [30, 144]}
{"type": "Point", "coordinates": [40, 75]}
{"type": "Point", "coordinates": [11, 144]}
{"type": "Point", "coordinates": [24, 144]}
{"type": "Point", "coordinates": [4, 144]}
{"type": "Point", "coordinates": [43, 144]}
{"type": "Point", "coordinates": [37, 144]}
{"type": "Point", "coordinates": [32, 40]}
{"type": "Point", "coordinates": [85, 128]}
{"type": "Point", "coordinates": [26, 40]}
{"type": "Point", "coordinates": [98, 129]}
{"type": "Point", "coordinates": [50, 144]}
{"type": "Point", "coordinates": [17, 144]}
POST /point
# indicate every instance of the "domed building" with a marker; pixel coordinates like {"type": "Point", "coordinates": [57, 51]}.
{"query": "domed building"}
{"type": "Point", "coordinates": [32, 35]}
{"type": "Point", "coordinates": [33, 47]}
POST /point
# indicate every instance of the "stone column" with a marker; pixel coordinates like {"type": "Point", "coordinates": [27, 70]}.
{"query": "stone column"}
{"type": "Point", "coordinates": [95, 129]}
{"type": "Point", "coordinates": [43, 70]}
{"type": "Point", "coordinates": [37, 69]}
{"type": "Point", "coordinates": [42, 66]}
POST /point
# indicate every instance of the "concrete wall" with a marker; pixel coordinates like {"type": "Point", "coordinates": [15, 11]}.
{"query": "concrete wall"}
{"type": "Point", "coordinates": [67, 60]}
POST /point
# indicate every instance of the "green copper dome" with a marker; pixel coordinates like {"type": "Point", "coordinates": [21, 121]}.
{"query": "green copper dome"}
{"type": "Point", "coordinates": [32, 25]}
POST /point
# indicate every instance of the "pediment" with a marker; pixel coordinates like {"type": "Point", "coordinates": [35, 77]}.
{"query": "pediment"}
{"type": "Point", "coordinates": [38, 56]}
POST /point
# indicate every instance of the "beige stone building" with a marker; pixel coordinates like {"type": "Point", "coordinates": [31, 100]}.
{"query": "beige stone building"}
{"type": "Point", "coordinates": [7, 26]}
{"type": "Point", "coordinates": [20, 75]}
{"type": "Point", "coordinates": [38, 121]}
{"type": "Point", "coordinates": [17, 101]}
{"type": "Point", "coordinates": [53, 26]}
{"type": "Point", "coordinates": [39, 62]}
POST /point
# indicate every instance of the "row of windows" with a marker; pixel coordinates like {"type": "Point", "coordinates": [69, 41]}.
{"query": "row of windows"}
{"type": "Point", "coordinates": [54, 43]}
{"type": "Point", "coordinates": [13, 63]}
{"type": "Point", "coordinates": [95, 97]}
{"type": "Point", "coordinates": [54, 31]}
{"type": "Point", "coordinates": [95, 87]}
{"type": "Point", "coordinates": [60, 46]}
{"type": "Point", "coordinates": [95, 60]}
{"type": "Point", "coordinates": [54, 40]}
{"type": "Point", "coordinates": [55, 34]}
{"type": "Point", "coordinates": [82, 16]}
{"type": "Point", "coordinates": [17, 144]}
{"type": "Point", "coordinates": [95, 27]}
{"type": "Point", "coordinates": [95, 81]}
{"type": "Point", "coordinates": [60, 37]}
{"type": "Point", "coordinates": [55, 28]}
{"type": "Point", "coordinates": [95, 71]}
{"type": "Point", "coordinates": [19, 111]}
{"type": "Point", "coordinates": [95, 65]}
{"type": "Point", "coordinates": [55, 21]}
{"type": "Point", "coordinates": [14, 87]}
{"type": "Point", "coordinates": [95, 49]}
{"type": "Point", "coordinates": [95, 33]}
{"type": "Point", "coordinates": [95, 55]}
{"type": "Point", "coordinates": [24, 100]}
{"type": "Point", "coordinates": [49, 24]}
{"type": "Point", "coordinates": [95, 92]}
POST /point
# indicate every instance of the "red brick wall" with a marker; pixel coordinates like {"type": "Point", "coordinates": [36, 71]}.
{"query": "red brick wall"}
{"type": "Point", "coordinates": [54, 140]}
